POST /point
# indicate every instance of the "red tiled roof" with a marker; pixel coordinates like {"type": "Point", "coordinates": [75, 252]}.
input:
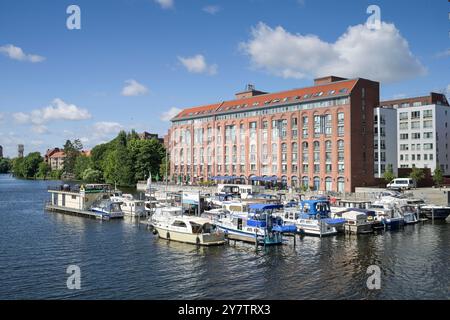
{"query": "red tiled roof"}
{"type": "Point", "coordinates": [59, 154]}
{"type": "Point", "coordinates": [264, 100]}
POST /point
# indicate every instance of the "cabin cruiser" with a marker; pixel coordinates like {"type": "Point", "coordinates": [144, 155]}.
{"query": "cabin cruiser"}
{"type": "Point", "coordinates": [129, 206]}
{"type": "Point", "coordinates": [259, 225]}
{"type": "Point", "coordinates": [169, 223]}
{"type": "Point", "coordinates": [314, 218]}
{"type": "Point", "coordinates": [358, 221]}
{"type": "Point", "coordinates": [106, 209]}
{"type": "Point", "coordinates": [409, 213]}
{"type": "Point", "coordinates": [387, 213]}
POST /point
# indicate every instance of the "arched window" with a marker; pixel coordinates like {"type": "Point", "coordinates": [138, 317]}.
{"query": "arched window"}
{"type": "Point", "coordinates": [328, 145]}
{"type": "Point", "coordinates": [328, 184]}
{"type": "Point", "coordinates": [316, 146]}
{"type": "Point", "coordinates": [305, 182]}
{"type": "Point", "coordinates": [340, 184]}
{"type": "Point", "coordinates": [316, 183]}
{"type": "Point", "coordinates": [294, 181]}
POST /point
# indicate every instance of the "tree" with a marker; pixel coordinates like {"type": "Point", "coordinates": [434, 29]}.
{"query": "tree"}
{"type": "Point", "coordinates": [417, 174]}
{"type": "Point", "coordinates": [92, 175]}
{"type": "Point", "coordinates": [438, 178]}
{"type": "Point", "coordinates": [5, 165]}
{"type": "Point", "coordinates": [81, 164]}
{"type": "Point", "coordinates": [43, 170]}
{"type": "Point", "coordinates": [71, 150]}
{"type": "Point", "coordinates": [388, 175]}
{"type": "Point", "coordinates": [28, 166]}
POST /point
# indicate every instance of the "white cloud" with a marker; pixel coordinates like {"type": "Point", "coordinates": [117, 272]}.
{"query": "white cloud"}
{"type": "Point", "coordinates": [21, 117]}
{"type": "Point", "coordinates": [443, 54]}
{"type": "Point", "coordinates": [165, 4]}
{"type": "Point", "coordinates": [172, 112]}
{"type": "Point", "coordinates": [381, 55]}
{"type": "Point", "coordinates": [40, 129]}
{"type": "Point", "coordinates": [134, 88]}
{"type": "Point", "coordinates": [57, 110]}
{"type": "Point", "coordinates": [197, 64]}
{"type": "Point", "coordinates": [301, 2]}
{"type": "Point", "coordinates": [212, 9]}
{"type": "Point", "coordinates": [2, 116]}
{"type": "Point", "coordinates": [17, 53]}
{"type": "Point", "coordinates": [104, 128]}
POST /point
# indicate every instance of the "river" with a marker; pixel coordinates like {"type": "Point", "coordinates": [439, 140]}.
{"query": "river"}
{"type": "Point", "coordinates": [122, 260]}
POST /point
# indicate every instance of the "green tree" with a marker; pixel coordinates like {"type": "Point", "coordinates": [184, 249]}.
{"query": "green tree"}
{"type": "Point", "coordinates": [5, 165]}
{"type": "Point", "coordinates": [28, 166]}
{"type": "Point", "coordinates": [43, 170]}
{"type": "Point", "coordinates": [438, 178]}
{"type": "Point", "coordinates": [92, 175]}
{"type": "Point", "coordinates": [417, 174]}
{"type": "Point", "coordinates": [81, 164]}
{"type": "Point", "coordinates": [388, 175]}
{"type": "Point", "coordinates": [72, 150]}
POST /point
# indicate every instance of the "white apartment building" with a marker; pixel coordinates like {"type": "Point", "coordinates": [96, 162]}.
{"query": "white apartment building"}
{"type": "Point", "coordinates": [385, 140]}
{"type": "Point", "coordinates": [423, 132]}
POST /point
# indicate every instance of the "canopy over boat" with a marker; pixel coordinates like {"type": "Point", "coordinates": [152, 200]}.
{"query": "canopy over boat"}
{"type": "Point", "coordinates": [334, 221]}
{"type": "Point", "coordinates": [263, 206]}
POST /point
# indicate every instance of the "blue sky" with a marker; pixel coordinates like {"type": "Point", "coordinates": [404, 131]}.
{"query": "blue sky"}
{"type": "Point", "coordinates": [58, 84]}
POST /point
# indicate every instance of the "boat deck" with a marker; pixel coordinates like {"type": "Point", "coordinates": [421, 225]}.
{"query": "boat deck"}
{"type": "Point", "coordinates": [71, 211]}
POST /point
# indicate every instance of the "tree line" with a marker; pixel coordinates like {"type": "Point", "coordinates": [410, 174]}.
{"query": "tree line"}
{"type": "Point", "coordinates": [124, 160]}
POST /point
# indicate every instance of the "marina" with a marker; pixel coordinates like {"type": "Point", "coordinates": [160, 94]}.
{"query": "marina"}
{"type": "Point", "coordinates": [414, 259]}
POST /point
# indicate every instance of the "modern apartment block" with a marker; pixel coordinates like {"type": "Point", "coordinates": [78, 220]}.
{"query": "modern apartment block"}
{"type": "Point", "coordinates": [320, 137]}
{"type": "Point", "coordinates": [1, 152]}
{"type": "Point", "coordinates": [423, 131]}
{"type": "Point", "coordinates": [20, 150]}
{"type": "Point", "coordinates": [385, 140]}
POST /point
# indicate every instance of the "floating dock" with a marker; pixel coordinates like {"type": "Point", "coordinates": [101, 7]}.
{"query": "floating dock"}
{"type": "Point", "coordinates": [76, 212]}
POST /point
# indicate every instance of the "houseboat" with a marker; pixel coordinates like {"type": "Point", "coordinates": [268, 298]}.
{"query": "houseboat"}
{"type": "Point", "coordinates": [80, 200]}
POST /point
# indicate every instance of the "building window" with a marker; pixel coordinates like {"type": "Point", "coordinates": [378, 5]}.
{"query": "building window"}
{"type": "Point", "coordinates": [305, 168]}
{"type": "Point", "coordinates": [428, 124]}
{"type": "Point", "coordinates": [316, 183]}
{"type": "Point", "coordinates": [403, 116]}
{"type": "Point", "coordinates": [328, 184]}
{"type": "Point", "coordinates": [427, 114]}
{"type": "Point", "coordinates": [316, 168]}
{"type": "Point", "coordinates": [428, 135]}
{"type": "Point", "coordinates": [415, 136]}
{"type": "Point", "coordinates": [404, 126]}
{"type": "Point", "coordinates": [404, 136]}
{"type": "Point", "coordinates": [415, 115]}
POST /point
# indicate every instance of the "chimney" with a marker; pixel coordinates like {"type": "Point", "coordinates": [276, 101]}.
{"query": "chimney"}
{"type": "Point", "coordinates": [250, 91]}
{"type": "Point", "coordinates": [327, 80]}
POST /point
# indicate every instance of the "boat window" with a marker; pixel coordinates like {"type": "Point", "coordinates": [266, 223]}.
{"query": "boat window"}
{"type": "Point", "coordinates": [306, 208]}
{"type": "Point", "coordinates": [196, 228]}
{"type": "Point", "coordinates": [322, 206]}
{"type": "Point", "coordinates": [178, 223]}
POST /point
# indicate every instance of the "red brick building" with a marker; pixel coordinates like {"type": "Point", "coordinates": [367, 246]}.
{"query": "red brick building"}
{"type": "Point", "coordinates": [319, 137]}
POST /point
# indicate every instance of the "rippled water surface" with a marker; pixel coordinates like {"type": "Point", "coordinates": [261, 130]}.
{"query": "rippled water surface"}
{"type": "Point", "coordinates": [120, 260]}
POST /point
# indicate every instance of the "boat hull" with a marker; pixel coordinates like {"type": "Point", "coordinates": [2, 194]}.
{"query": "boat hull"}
{"type": "Point", "coordinates": [203, 239]}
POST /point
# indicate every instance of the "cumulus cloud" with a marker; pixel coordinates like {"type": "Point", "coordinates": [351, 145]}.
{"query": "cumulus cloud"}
{"type": "Point", "coordinates": [17, 53]}
{"type": "Point", "coordinates": [105, 128]}
{"type": "Point", "coordinates": [165, 4]}
{"type": "Point", "coordinates": [40, 129]}
{"type": "Point", "coordinates": [169, 114]}
{"type": "Point", "coordinates": [198, 64]}
{"type": "Point", "coordinates": [134, 88]}
{"type": "Point", "coordinates": [21, 117]}
{"type": "Point", "coordinates": [212, 9]}
{"type": "Point", "coordinates": [381, 55]}
{"type": "Point", "coordinates": [57, 110]}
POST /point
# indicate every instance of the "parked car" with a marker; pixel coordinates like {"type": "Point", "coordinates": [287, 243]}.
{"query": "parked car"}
{"type": "Point", "coordinates": [401, 184]}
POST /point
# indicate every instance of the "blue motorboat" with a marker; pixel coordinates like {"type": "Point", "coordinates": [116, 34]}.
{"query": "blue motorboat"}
{"type": "Point", "coordinates": [258, 225]}
{"type": "Point", "coordinates": [315, 218]}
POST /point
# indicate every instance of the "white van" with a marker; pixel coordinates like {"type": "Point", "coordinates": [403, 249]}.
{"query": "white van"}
{"type": "Point", "coordinates": [401, 184]}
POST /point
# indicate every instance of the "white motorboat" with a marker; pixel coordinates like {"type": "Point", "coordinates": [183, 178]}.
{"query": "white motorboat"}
{"type": "Point", "coordinates": [169, 223]}
{"type": "Point", "coordinates": [129, 205]}
{"type": "Point", "coordinates": [106, 209]}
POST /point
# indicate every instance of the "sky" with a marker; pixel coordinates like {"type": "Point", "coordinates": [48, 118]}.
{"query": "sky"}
{"type": "Point", "coordinates": [134, 64]}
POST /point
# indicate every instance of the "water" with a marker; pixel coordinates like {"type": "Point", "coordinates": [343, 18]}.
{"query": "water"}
{"type": "Point", "coordinates": [120, 260]}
